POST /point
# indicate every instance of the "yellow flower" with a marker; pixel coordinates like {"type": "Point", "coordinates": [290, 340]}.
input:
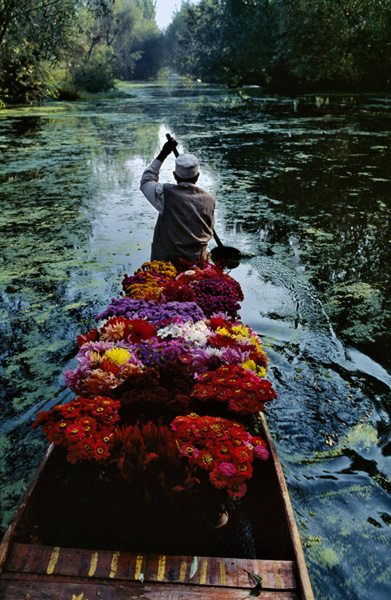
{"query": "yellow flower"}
{"type": "Point", "coordinates": [252, 366]}
{"type": "Point", "coordinates": [144, 291]}
{"type": "Point", "coordinates": [160, 267]}
{"type": "Point", "coordinates": [241, 330]}
{"type": "Point", "coordinates": [223, 331]}
{"type": "Point", "coordinates": [119, 356]}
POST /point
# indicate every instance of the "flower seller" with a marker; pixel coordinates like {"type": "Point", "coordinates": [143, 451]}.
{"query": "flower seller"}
{"type": "Point", "coordinates": [186, 211]}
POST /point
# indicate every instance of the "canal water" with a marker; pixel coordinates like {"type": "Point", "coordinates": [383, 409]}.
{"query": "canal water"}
{"type": "Point", "coordinates": [303, 189]}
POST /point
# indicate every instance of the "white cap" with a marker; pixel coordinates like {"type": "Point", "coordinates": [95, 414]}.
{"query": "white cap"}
{"type": "Point", "coordinates": [186, 166]}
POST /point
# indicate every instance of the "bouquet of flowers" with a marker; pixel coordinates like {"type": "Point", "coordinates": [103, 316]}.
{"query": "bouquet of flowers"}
{"type": "Point", "coordinates": [139, 448]}
{"type": "Point", "coordinates": [148, 281]}
{"type": "Point", "coordinates": [209, 287]}
{"type": "Point", "coordinates": [159, 314]}
{"type": "Point", "coordinates": [103, 366]}
{"type": "Point", "coordinates": [160, 394]}
{"type": "Point", "coordinates": [240, 389]}
{"type": "Point", "coordinates": [222, 448]}
{"type": "Point", "coordinates": [84, 426]}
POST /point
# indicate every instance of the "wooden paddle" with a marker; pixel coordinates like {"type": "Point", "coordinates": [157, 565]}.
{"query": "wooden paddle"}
{"type": "Point", "coordinates": [225, 256]}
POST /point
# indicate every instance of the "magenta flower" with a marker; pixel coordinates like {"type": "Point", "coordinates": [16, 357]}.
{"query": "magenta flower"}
{"type": "Point", "coordinates": [227, 469]}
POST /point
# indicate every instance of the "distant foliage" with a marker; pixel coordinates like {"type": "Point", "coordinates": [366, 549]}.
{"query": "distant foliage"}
{"type": "Point", "coordinates": [284, 44]}
{"type": "Point", "coordinates": [58, 48]}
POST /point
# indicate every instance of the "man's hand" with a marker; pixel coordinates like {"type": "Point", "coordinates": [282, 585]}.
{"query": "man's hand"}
{"type": "Point", "coordinates": [168, 147]}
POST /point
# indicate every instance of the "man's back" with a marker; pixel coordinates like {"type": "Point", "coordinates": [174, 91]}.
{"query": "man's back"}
{"type": "Point", "coordinates": [186, 211]}
{"type": "Point", "coordinates": [185, 226]}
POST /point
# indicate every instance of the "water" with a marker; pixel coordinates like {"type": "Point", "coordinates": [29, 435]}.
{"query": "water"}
{"type": "Point", "coordinates": [302, 186]}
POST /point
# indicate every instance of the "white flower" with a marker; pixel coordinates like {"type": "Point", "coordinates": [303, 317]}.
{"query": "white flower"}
{"type": "Point", "coordinates": [196, 333]}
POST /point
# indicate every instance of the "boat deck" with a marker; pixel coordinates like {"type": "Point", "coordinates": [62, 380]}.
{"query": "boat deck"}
{"type": "Point", "coordinates": [41, 572]}
{"type": "Point", "coordinates": [43, 554]}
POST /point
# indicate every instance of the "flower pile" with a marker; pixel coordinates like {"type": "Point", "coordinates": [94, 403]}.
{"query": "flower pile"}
{"type": "Point", "coordinates": [170, 347]}
{"type": "Point", "coordinates": [211, 288]}
{"type": "Point", "coordinates": [84, 426]}
{"type": "Point", "coordinates": [242, 391]}
{"type": "Point", "coordinates": [221, 447]}
{"type": "Point", "coordinates": [138, 446]}
{"type": "Point", "coordinates": [158, 314]}
{"type": "Point", "coordinates": [103, 366]}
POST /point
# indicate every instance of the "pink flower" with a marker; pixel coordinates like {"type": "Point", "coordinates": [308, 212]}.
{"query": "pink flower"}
{"type": "Point", "coordinates": [227, 469]}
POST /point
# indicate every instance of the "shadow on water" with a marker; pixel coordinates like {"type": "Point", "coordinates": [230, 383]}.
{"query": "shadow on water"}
{"type": "Point", "coordinates": [302, 190]}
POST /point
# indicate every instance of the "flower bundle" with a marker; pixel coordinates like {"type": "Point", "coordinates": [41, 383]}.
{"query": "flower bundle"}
{"type": "Point", "coordinates": [156, 353]}
{"type": "Point", "coordinates": [127, 330]}
{"type": "Point", "coordinates": [211, 288]}
{"type": "Point", "coordinates": [142, 446]}
{"type": "Point", "coordinates": [196, 334]}
{"type": "Point", "coordinates": [103, 366]}
{"type": "Point", "coordinates": [148, 281]}
{"type": "Point", "coordinates": [84, 426]}
{"type": "Point", "coordinates": [240, 389]}
{"type": "Point", "coordinates": [215, 291]}
{"type": "Point", "coordinates": [233, 334]}
{"type": "Point", "coordinates": [159, 394]}
{"type": "Point", "coordinates": [159, 268]}
{"type": "Point", "coordinates": [157, 314]}
{"type": "Point", "coordinates": [221, 447]}
{"type": "Point", "coordinates": [170, 346]}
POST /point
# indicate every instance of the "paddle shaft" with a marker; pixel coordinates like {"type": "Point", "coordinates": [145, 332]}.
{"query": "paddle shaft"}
{"type": "Point", "coordinates": [216, 237]}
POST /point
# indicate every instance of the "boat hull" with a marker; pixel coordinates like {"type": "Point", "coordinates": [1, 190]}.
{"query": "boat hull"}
{"type": "Point", "coordinates": [47, 555]}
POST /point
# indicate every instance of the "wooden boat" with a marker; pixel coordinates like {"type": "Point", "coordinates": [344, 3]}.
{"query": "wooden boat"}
{"type": "Point", "coordinates": [44, 555]}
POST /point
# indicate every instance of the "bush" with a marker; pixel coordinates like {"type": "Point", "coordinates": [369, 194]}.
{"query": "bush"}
{"type": "Point", "coordinates": [96, 74]}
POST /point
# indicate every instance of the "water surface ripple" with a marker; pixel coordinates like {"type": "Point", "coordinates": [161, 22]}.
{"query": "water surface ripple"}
{"type": "Point", "coordinates": [302, 186]}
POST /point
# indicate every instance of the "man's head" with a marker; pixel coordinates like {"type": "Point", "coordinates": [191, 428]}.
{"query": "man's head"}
{"type": "Point", "coordinates": [186, 168]}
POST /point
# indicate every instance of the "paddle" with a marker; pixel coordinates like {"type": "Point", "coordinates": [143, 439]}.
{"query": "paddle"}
{"type": "Point", "coordinates": [225, 256]}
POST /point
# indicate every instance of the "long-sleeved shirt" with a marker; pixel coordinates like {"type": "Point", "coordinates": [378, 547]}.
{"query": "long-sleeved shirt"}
{"type": "Point", "coordinates": [186, 216]}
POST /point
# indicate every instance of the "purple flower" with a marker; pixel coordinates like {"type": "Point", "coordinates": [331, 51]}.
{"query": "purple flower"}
{"type": "Point", "coordinates": [156, 313]}
{"type": "Point", "coordinates": [155, 353]}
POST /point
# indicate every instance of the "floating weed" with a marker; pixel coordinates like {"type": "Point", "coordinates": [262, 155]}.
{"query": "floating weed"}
{"type": "Point", "coordinates": [73, 306]}
{"type": "Point", "coordinates": [363, 436]}
{"type": "Point", "coordinates": [326, 556]}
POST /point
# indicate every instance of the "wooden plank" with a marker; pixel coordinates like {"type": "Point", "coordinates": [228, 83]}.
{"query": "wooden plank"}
{"type": "Point", "coordinates": [304, 582]}
{"type": "Point", "coordinates": [46, 588]}
{"type": "Point", "coordinates": [105, 564]}
{"type": "Point", "coordinates": [7, 539]}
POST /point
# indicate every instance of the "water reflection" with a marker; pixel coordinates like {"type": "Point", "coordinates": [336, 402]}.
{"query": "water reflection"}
{"type": "Point", "coordinates": [302, 191]}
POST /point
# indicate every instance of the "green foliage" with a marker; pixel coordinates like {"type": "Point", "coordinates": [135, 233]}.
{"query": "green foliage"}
{"type": "Point", "coordinates": [136, 40]}
{"type": "Point", "coordinates": [291, 44]}
{"type": "Point", "coordinates": [58, 48]}
{"type": "Point", "coordinates": [96, 74]}
{"type": "Point", "coordinates": [32, 33]}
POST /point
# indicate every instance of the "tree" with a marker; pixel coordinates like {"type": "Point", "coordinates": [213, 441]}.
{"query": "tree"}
{"type": "Point", "coordinates": [34, 36]}
{"type": "Point", "coordinates": [136, 40]}
{"type": "Point", "coordinates": [194, 40]}
{"type": "Point", "coordinates": [285, 44]}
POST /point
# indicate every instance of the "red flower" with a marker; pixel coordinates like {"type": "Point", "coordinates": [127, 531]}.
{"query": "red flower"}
{"type": "Point", "coordinates": [90, 336]}
{"type": "Point", "coordinates": [221, 447]}
{"type": "Point", "coordinates": [240, 389]}
{"type": "Point", "coordinates": [84, 427]}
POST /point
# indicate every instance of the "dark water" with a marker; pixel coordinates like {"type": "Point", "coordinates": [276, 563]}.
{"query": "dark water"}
{"type": "Point", "coordinates": [303, 188]}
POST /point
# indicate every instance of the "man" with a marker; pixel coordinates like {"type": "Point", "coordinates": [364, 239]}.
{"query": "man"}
{"type": "Point", "coordinates": [186, 212]}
